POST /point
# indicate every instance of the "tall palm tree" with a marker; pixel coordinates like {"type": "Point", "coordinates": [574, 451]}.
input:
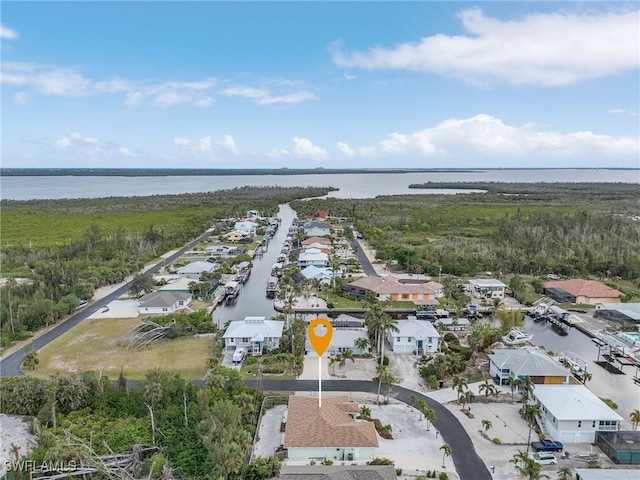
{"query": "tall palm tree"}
{"type": "Point", "coordinates": [565, 473]}
{"type": "Point", "coordinates": [586, 376]}
{"type": "Point", "coordinates": [361, 343]}
{"type": "Point", "coordinates": [387, 324]}
{"type": "Point", "coordinates": [384, 376]}
{"type": "Point", "coordinates": [635, 418]}
{"type": "Point", "coordinates": [513, 383]}
{"type": "Point", "coordinates": [488, 387]}
{"type": "Point", "coordinates": [460, 383]}
{"type": "Point", "coordinates": [486, 424]}
{"type": "Point", "coordinates": [446, 451]}
{"type": "Point", "coordinates": [430, 415]}
{"type": "Point", "coordinates": [344, 356]}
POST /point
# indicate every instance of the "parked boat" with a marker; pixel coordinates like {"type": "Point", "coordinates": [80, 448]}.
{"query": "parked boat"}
{"type": "Point", "coordinates": [272, 287]}
{"type": "Point", "coordinates": [231, 290]}
{"type": "Point", "coordinates": [516, 336]}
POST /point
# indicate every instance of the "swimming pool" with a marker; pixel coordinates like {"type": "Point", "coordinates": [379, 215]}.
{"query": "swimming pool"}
{"type": "Point", "coordinates": [633, 336]}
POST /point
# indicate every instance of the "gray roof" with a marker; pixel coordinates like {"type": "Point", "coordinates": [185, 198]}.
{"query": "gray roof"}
{"type": "Point", "coordinates": [163, 299]}
{"type": "Point", "coordinates": [346, 337]}
{"type": "Point", "coordinates": [197, 267]}
{"type": "Point", "coordinates": [608, 474]}
{"type": "Point", "coordinates": [487, 282]}
{"type": "Point", "coordinates": [252, 327]}
{"type": "Point", "coordinates": [530, 361]}
{"type": "Point", "coordinates": [420, 329]}
{"type": "Point", "coordinates": [338, 472]}
{"type": "Point", "coordinates": [573, 402]}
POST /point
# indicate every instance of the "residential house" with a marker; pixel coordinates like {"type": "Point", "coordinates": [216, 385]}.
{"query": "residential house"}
{"type": "Point", "coordinates": [332, 432]}
{"type": "Point", "coordinates": [318, 246]}
{"type": "Point", "coordinates": [414, 336]}
{"type": "Point", "coordinates": [572, 413]}
{"type": "Point", "coordinates": [345, 338]}
{"type": "Point", "coordinates": [316, 228]}
{"type": "Point", "coordinates": [194, 270]}
{"type": "Point", "coordinates": [182, 285]}
{"type": "Point", "coordinates": [253, 333]}
{"type": "Point", "coordinates": [317, 273]}
{"type": "Point", "coordinates": [391, 288]}
{"type": "Point", "coordinates": [605, 474]}
{"type": "Point", "coordinates": [220, 250]}
{"type": "Point", "coordinates": [238, 236]}
{"type": "Point", "coordinates": [486, 288]}
{"type": "Point", "coordinates": [340, 472]}
{"type": "Point", "coordinates": [246, 226]}
{"type": "Point", "coordinates": [313, 256]}
{"type": "Point", "coordinates": [163, 303]}
{"type": "Point", "coordinates": [531, 362]}
{"type": "Point", "coordinates": [454, 324]}
{"type": "Point", "coordinates": [584, 292]}
{"type": "Point", "coordinates": [316, 240]}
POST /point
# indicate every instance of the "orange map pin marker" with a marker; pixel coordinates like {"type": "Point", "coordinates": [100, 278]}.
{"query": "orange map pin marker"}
{"type": "Point", "coordinates": [320, 343]}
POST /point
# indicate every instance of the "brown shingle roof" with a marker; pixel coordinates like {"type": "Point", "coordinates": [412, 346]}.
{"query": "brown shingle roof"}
{"type": "Point", "coordinates": [585, 288]}
{"type": "Point", "coordinates": [329, 426]}
{"type": "Point", "coordinates": [323, 240]}
{"type": "Point", "coordinates": [388, 285]}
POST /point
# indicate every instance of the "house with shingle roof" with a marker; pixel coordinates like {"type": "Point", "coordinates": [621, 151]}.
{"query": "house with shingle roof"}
{"type": "Point", "coordinates": [572, 413]}
{"type": "Point", "coordinates": [391, 288]}
{"type": "Point", "coordinates": [585, 292]}
{"type": "Point", "coordinates": [320, 240]}
{"type": "Point", "coordinates": [531, 362]}
{"type": "Point", "coordinates": [331, 431]}
{"type": "Point", "coordinates": [338, 472]}
{"type": "Point", "coordinates": [194, 270]}
{"type": "Point", "coordinates": [163, 303]}
{"type": "Point", "coordinates": [316, 228]}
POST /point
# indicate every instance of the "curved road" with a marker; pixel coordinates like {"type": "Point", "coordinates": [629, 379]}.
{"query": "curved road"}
{"type": "Point", "coordinates": [367, 268]}
{"type": "Point", "coordinates": [10, 366]}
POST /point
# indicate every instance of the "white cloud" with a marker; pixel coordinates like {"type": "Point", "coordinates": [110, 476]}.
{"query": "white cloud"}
{"type": "Point", "coordinates": [487, 139]}
{"type": "Point", "coordinates": [181, 141]}
{"type": "Point", "coordinates": [263, 96]}
{"type": "Point", "coordinates": [7, 33]}
{"type": "Point", "coordinates": [204, 144]}
{"type": "Point", "coordinates": [278, 153]}
{"type": "Point", "coordinates": [544, 49]}
{"type": "Point", "coordinates": [303, 147]}
{"type": "Point", "coordinates": [76, 144]}
{"type": "Point", "coordinates": [206, 147]}
{"type": "Point", "coordinates": [228, 144]}
{"type": "Point", "coordinates": [617, 110]}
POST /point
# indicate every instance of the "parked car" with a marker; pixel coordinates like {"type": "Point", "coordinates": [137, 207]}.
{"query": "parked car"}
{"type": "Point", "coordinates": [544, 458]}
{"type": "Point", "coordinates": [547, 445]}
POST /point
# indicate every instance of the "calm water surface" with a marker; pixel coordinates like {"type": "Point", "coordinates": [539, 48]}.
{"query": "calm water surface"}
{"type": "Point", "coordinates": [359, 185]}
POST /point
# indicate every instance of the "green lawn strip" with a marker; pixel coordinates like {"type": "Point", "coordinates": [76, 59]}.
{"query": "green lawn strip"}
{"type": "Point", "coordinates": [96, 345]}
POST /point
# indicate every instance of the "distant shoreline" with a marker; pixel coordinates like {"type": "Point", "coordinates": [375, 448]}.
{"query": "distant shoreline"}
{"type": "Point", "coordinates": [168, 172]}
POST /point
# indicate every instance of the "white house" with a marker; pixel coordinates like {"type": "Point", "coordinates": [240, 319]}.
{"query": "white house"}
{"type": "Point", "coordinates": [162, 303]}
{"type": "Point", "coordinates": [331, 432]}
{"type": "Point", "coordinates": [315, 228]}
{"type": "Point", "coordinates": [487, 288]}
{"type": "Point", "coordinates": [246, 226]}
{"type": "Point", "coordinates": [313, 256]}
{"type": "Point", "coordinates": [194, 270]}
{"type": "Point", "coordinates": [312, 272]}
{"type": "Point", "coordinates": [572, 413]}
{"type": "Point", "coordinates": [531, 362]}
{"type": "Point", "coordinates": [253, 333]}
{"type": "Point", "coordinates": [344, 338]}
{"type": "Point", "coordinates": [414, 336]}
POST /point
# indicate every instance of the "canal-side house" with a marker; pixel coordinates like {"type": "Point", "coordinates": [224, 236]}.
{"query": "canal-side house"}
{"type": "Point", "coordinates": [391, 288]}
{"type": "Point", "coordinates": [571, 413]}
{"type": "Point", "coordinates": [183, 285]}
{"type": "Point", "coordinates": [236, 236]}
{"type": "Point", "coordinates": [324, 275]}
{"type": "Point", "coordinates": [346, 338]}
{"type": "Point", "coordinates": [253, 333]}
{"type": "Point", "coordinates": [414, 336]}
{"type": "Point", "coordinates": [316, 228]}
{"type": "Point", "coordinates": [309, 242]}
{"type": "Point", "coordinates": [194, 270]}
{"type": "Point", "coordinates": [531, 362]}
{"type": "Point", "coordinates": [163, 303]}
{"type": "Point", "coordinates": [332, 432]}
{"type": "Point", "coordinates": [314, 257]}
{"type": "Point", "coordinates": [486, 288]}
{"type": "Point", "coordinates": [583, 292]}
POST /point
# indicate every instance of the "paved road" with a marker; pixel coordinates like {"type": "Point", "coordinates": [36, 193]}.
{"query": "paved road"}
{"type": "Point", "coordinates": [367, 268]}
{"type": "Point", "coordinates": [10, 366]}
{"type": "Point", "coordinates": [468, 464]}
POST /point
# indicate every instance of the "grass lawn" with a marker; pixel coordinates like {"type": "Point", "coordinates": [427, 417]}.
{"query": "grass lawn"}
{"type": "Point", "coordinates": [95, 345]}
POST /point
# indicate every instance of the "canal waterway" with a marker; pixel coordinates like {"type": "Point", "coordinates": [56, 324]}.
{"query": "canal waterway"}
{"type": "Point", "coordinates": [253, 300]}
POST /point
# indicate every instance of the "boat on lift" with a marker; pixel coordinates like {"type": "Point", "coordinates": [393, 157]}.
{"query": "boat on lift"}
{"type": "Point", "coordinates": [516, 336]}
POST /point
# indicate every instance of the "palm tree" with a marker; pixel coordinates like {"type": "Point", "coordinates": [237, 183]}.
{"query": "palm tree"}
{"type": "Point", "coordinates": [344, 356]}
{"type": "Point", "coordinates": [460, 383]}
{"type": "Point", "coordinates": [513, 383]}
{"type": "Point", "coordinates": [530, 412]}
{"type": "Point", "coordinates": [527, 383]}
{"type": "Point", "coordinates": [385, 376]}
{"type": "Point", "coordinates": [635, 418]}
{"type": "Point", "coordinates": [586, 376]}
{"type": "Point", "coordinates": [466, 397]}
{"type": "Point", "coordinates": [489, 388]}
{"type": "Point", "coordinates": [361, 343]}
{"type": "Point", "coordinates": [430, 415]}
{"type": "Point", "coordinates": [365, 412]}
{"type": "Point", "coordinates": [486, 424]}
{"type": "Point", "coordinates": [446, 451]}
{"type": "Point", "coordinates": [565, 473]}
{"type": "Point", "coordinates": [387, 324]}
{"type": "Point", "coordinates": [332, 364]}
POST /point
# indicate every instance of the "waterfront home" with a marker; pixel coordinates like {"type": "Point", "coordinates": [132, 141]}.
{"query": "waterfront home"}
{"type": "Point", "coordinates": [163, 303]}
{"type": "Point", "coordinates": [194, 270]}
{"type": "Point", "coordinates": [338, 472]}
{"type": "Point", "coordinates": [622, 313]}
{"type": "Point", "coordinates": [238, 236]}
{"type": "Point", "coordinates": [584, 292]}
{"type": "Point", "coordinates": [324, 275]}
{"type": "Point", "coordinates": [531, 362]}
{"type": "Point", "coordinates": [246, 226]}
{"type": "Point", "coordinates": [486, 288]}
{"type": "Point", "coordinates": [182, 285]}
{"type": "Point", "coordinates": [454, 324]}
{"type": "Point", "coordinates": [391, 288]}
{"type": "Point", "coordinates": [316, 240]}
{"type": "Point", "coordinates": [332, 432]}
{"type": "Point", "coordinates": [253, 333]}
{"type": "Point", "coordinates": [316, 228]}
{"type": "Point", "coordinates": [345, 338]}
{"type": "Point", "coordinates": [414, 336]}
{"type": "Point", "coordinates": [313, 256]}
{"type": "Point", "coordinates": [571, 413]}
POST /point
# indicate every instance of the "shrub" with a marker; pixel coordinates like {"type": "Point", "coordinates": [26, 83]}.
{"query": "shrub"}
{"type": "Point", "coordinates": [385, 361]}
{"type": "Point", "coordinates": [497, 441]}
{"type": "Point", "coordinates": [251, 360]}
{"type": "Point", "coordinates": [381, 461]}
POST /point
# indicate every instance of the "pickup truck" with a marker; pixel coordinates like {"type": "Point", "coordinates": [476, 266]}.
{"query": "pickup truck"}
{"type": "Point", "coordinates": [547, 446]}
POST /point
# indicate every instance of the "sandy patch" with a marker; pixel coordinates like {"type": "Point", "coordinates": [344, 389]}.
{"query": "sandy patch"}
{"type": "Point", "coordinates": [14, 430]}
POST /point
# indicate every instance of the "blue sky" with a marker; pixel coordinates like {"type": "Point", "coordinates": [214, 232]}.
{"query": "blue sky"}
{"type": "Point", "coordinates": [320, 84]}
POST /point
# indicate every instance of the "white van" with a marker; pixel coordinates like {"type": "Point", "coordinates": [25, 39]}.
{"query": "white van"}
{"type": "Point", "coordinates": [238, 355]}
